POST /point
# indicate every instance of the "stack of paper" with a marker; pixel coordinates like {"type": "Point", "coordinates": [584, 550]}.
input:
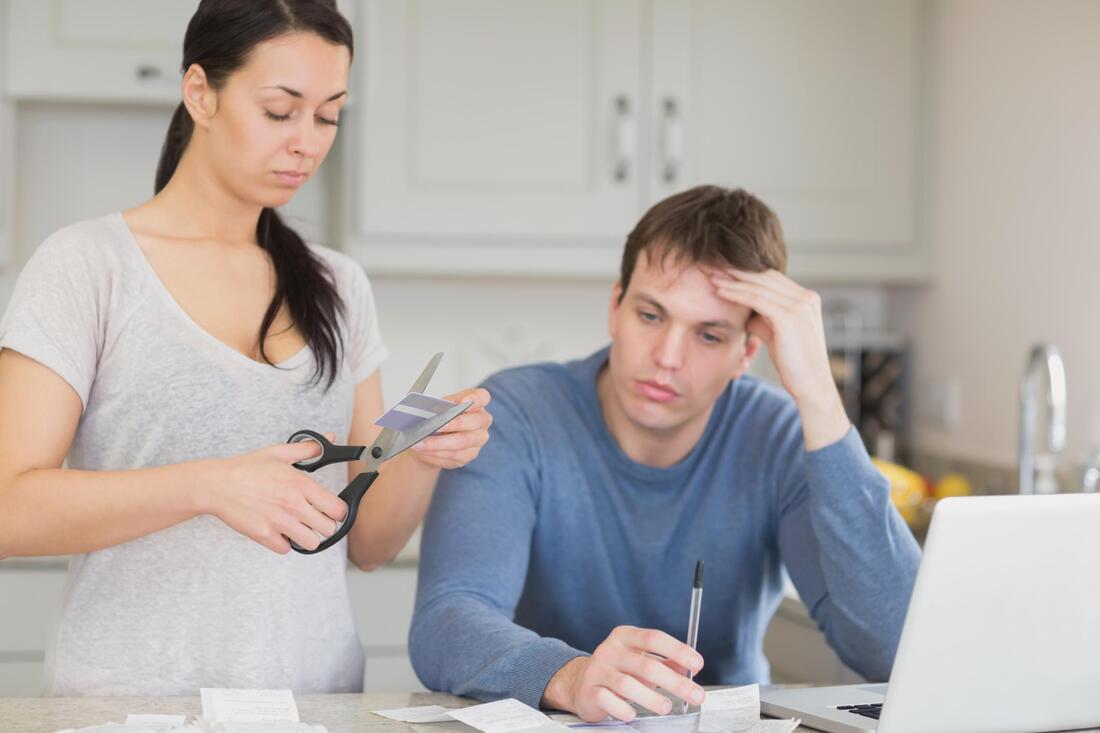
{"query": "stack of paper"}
{"type": "Point", "coordinates": [737, 709]}
{"type": "Point", "coordinates": [252, 711]}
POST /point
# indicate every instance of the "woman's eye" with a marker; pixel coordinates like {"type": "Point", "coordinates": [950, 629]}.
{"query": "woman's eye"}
{"type": "Point", "coordinates": [278, 118]}
{"type": "Point", "coordinates": [327, 121]}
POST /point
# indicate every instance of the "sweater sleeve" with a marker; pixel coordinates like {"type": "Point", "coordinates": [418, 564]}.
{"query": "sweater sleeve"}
{"type": "Point", "coordinates": [473, 566]}
{"type": "Point", "coordinates": [850, 555]}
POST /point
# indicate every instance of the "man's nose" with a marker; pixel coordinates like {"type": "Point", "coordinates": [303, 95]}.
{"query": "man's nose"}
{"type": "Point", "coordinates": [669, 353]}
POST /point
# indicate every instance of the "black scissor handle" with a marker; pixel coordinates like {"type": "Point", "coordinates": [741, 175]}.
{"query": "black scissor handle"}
{"type": "Point", "coordinates": [330, 452]}
{"type": "Point", "coordinates": [351, 495]}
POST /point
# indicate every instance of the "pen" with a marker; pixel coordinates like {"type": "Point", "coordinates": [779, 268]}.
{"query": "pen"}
{"type": "Point", "coordinates": [693, 619]}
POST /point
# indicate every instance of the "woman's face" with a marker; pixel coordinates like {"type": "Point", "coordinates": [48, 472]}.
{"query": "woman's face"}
{"type": "Point", "coordinates": [276, 117]}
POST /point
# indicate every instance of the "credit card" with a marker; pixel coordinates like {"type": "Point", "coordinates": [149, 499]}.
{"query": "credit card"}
{"type": "Point", "coordinates": [413, 409]}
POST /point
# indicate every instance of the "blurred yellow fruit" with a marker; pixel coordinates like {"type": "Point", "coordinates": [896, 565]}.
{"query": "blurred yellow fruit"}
{"type": "Point", "coordinates": [952, 484]}
{"type": "Point", "coordinates": [906, 489]}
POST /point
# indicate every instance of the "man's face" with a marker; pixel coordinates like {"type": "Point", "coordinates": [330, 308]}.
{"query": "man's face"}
{"type": "Point", "coordinates": [675, 345]}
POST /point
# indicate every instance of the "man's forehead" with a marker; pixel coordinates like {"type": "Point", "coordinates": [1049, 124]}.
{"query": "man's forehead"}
{"type": "Point", "coordinates": [684, 289]}
{"type": "Point", "coordinates": [666, 268]}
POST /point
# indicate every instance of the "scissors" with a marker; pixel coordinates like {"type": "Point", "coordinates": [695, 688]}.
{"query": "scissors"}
{"type": "Point", "coordinates": [389, 443]}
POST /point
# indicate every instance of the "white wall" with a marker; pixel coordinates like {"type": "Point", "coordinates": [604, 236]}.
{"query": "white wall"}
{"type": "Point", "coordinates": [1013, 217]}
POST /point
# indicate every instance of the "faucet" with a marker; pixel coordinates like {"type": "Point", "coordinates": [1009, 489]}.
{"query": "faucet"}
{"type": "Point", "coordinates": [1043, 357]}
{"type": "Point", "coordinates": [1090, 480]}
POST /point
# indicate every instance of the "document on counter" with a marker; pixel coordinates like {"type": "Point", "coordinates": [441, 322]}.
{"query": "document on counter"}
{"type": "Point", "coordinates": [222, 705]}
{"type": "Point", "coordinates": [420, 714]}
{"type": "Point", "coordinates": [730, 709]}
{"type": "Point", "coordinates": [506, 716]}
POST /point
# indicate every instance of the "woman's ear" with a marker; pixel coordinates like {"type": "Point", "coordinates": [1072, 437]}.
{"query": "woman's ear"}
{"type": "Point", "coordinates": [198, 96]}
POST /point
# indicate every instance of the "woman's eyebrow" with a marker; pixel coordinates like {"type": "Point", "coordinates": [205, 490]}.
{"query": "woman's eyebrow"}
{"type": "Point", "coordinates": [299, 95]}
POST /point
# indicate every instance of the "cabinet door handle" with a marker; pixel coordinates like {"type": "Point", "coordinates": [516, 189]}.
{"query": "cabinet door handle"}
{"type": "Point", "coordinates": [625, 139]}
{"type": "Point", "coordinates": [672, 140]}
{"type": "Point", "coordinates": [147, 72]}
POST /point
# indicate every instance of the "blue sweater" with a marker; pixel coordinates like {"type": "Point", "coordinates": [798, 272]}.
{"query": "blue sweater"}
{"type": "Point", "coordinates": [534, 552]}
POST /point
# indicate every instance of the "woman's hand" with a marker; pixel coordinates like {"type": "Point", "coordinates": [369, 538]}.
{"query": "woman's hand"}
{"type": "Point", "coordinates": [262, 496]}
{"type": "Point", "coordinates": [460, 440]}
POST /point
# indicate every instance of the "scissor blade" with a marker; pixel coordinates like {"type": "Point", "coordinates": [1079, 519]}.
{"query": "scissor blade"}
{"type": "Point", "coordinates": [426, 428]}
{"type": "Point", "coordinates": [421, 382]}
{"type": "Point", "coordinates": [379, 450]}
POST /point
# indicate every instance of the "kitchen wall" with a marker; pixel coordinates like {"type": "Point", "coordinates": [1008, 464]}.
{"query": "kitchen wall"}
{"type": "Point", "coordinates": [1013, 219]}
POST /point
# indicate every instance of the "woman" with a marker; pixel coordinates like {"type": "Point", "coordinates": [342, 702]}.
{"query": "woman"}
{"type": "Point", "coordinates": [169, 351]}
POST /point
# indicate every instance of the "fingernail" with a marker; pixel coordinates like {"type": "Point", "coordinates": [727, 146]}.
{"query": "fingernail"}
{"type": "Point", "coordinates": [697, 697]}
{"type": "Point", "coordinates": [666, 707]}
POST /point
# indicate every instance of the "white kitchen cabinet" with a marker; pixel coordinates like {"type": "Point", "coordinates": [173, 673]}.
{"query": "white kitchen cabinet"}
{"type": "Point", "coordinates": [506, 129]}
{"type": "Point", "coordinates": [30, 594]}
{"type": "Point", "coordinates": [798, 652]}
{"type": "Point", "coordinates": [383, 602]}
{"type": "Point", "coordinates": [107, 50]}
{"type": "Point", "coordinates": [527, 138]}
{"type": "Point", "coordinates": [100, 50]}
{"type": "Point", "coordinates": [812, 106]}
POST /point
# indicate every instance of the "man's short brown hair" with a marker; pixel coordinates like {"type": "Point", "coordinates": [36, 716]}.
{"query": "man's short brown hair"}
{"type": "Point", "coordinates": [709, 226]}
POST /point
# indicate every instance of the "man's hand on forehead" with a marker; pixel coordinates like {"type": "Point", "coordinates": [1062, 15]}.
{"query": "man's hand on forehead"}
{"type": "Point", "coordinates": [788, 320]}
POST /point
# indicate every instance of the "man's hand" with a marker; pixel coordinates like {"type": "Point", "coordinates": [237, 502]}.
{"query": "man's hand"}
{"type": "Point", "coordinates": [621, 670]}
{"type": "Point", "coordinates": [788, 320]}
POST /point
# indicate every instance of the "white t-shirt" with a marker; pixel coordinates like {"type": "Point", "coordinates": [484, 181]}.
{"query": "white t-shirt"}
{"type": "Point", "coordinates": [195, 605]}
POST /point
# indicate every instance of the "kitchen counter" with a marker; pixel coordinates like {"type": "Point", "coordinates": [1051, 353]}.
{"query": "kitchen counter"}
{"type": "Point", "coordinates": [338, 713]}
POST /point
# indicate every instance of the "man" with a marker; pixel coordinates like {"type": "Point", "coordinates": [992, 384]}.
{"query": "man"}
{"type": "Point", "coordinates": [557, 567]}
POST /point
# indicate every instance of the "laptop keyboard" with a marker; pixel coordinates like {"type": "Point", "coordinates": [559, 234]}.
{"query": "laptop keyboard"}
{"type": "Point", "coordinates": [872, 710]}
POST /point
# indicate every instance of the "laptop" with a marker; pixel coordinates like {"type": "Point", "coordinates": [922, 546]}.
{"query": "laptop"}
{"type": "Point", "coordinates": [1002, 632]}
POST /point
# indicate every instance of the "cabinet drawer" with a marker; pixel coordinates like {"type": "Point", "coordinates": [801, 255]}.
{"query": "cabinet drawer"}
{"type": "Point", "coordinates": [390, 674]}
{"type": "Point", "coordinates": [29, 600]}
{"type": "Point", "coordinates": [20, 676]}
{"type": "Point", "coordinates": [382, 603]}
{"type": "Point", "coordinates": [798, 652]}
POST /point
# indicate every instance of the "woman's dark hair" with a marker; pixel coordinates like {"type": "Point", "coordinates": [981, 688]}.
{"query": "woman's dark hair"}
{"type": "Point", "coordinates": [219, 38]}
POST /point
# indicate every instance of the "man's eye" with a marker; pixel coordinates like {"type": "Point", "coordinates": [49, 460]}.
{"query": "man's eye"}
{"type": "Point", "coordinates": [649, 317]}
{"type": "Point", "coordinates": [277, 118]}
{"type": "Point", "coordinates": [710, 338]}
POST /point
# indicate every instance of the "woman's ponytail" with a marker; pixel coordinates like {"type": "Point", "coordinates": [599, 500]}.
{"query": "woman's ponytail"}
{"type": "Point", "coordinates": [179, 133]}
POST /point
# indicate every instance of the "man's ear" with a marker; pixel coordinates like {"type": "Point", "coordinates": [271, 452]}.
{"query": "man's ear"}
{"type": "Point", "coordinates": [613, 309]}
{"type": "Point", "coordinates": [198, 96]}
{"type": "Point", "coordinates": [752, 348]}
